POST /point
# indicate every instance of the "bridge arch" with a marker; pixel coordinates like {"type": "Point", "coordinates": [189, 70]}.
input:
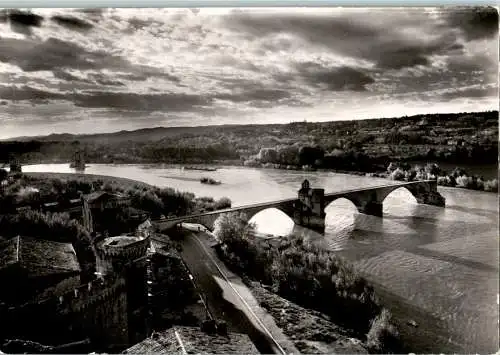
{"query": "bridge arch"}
{"type": "Point", "coordinates": [403, 191]}
{"type": "Point", "coordinates": [341, 203]}
{"type": "Point", "coordinates": [340, 216]}
{"type": "Point", "coordinates": [272, 220]}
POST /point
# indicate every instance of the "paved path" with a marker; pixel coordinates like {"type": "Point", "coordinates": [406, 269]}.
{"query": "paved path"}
{"type": "Point", "coordinates": [229, 299]}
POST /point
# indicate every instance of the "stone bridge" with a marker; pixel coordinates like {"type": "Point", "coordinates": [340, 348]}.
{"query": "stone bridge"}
{"type": "Point", "coordinates": [368, 200]}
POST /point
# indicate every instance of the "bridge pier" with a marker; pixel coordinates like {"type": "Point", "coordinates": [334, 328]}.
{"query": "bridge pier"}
{"type": "Point", "coordinates": [372, 208]}
{"type": "Point", "coordinates": [316, 223]}
{"type": "Point", "coordinates": [431, 198]}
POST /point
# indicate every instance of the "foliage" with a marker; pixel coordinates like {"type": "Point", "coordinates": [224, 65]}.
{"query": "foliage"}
{"type": "Point", "coordinates": [397, 174]}
{"type": "Point", "coordinates": [222, 203]}
{"type": "Point", "coordinates": [301, 272]}
{"type": "Point", "coordinates": [383, 336]}
{"type": "Point", "coordinates": [209, 181]}
{"type": "Point", "coordinates": [457, 178]}
{"type": "Point", "coordinates": [364, 145]}
{"type": "Point", "coordinates": [491, 185]}
{"type": "Point", "coordinates": [32, 192]}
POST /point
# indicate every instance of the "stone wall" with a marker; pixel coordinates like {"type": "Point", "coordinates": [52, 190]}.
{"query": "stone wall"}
{"type": "Point", "coordinates": [97, 310]}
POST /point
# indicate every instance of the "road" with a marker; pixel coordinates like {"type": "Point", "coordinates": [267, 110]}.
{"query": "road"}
{"type": "Point", "coordinates": [223, 299]}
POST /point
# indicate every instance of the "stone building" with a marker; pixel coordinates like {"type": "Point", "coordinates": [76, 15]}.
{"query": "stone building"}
{"type": "Point", "coordinates": [110, 311]}
{"type": "Point", "coordinates": [127, 255]}
{"type": "Point", "coordinates": [99, 206]}
{"type": "Point", "coordinates": [36, 269]}
{"type": "Point", "coordinates": [15, 166]}
{"type": "Point", "coordinates": [310, 209]}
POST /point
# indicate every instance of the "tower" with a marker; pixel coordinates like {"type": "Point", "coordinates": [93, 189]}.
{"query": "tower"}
{"type": "Point", "coordinates": [78, 161]}
{"type": "Point", "coordinates": [310, 209]}
{"type": "Point", "coordinates": [126, 256]}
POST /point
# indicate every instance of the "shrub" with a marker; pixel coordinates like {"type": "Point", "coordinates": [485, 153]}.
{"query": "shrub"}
{"type": "Point", "coordinates": [222, 203]}
{"type": "Point", "coordinates": [465, 181]}
{"type": "Point", "coordinates": [397, 174]}
{"type": "Point", "coordinates": [299, 271]}
{"type": "Point", "coordinates": [491, 185]}
{"type": "Point", "coordinates": [446, 181]}
{"type": "Point", "coordinates": [383, 337]}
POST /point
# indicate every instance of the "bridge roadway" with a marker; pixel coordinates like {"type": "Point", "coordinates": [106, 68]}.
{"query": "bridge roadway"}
{"type": "Point", "coordinates": [367, 200]}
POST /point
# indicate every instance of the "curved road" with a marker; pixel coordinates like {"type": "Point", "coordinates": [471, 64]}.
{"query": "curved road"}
{"type": "Point", "coordinates": [223, 299]}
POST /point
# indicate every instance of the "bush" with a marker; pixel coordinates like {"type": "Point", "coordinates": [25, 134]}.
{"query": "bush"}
{"type": "Point", "coordinates": [465, 181]}
{"type": "Point", "coordinates": [397, 174]}
{"type": "Point", "coordinates": [383, 336]}
{"type": "Point", "coordinates": [299, 271]}
{"type": "Point", "coordinates": [491, 185]}
{"type": "Point", "coordinates": [446, 181]}
{"type": "Point", "coordinates": [222, 203]}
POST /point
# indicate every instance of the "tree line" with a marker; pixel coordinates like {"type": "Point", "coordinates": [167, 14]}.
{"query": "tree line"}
{"type": "Point", "coordinates": [468, 138]}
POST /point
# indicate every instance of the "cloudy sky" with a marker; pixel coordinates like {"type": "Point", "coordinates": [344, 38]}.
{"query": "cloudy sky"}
{"type": "Point", "coordinates": [84, 71]}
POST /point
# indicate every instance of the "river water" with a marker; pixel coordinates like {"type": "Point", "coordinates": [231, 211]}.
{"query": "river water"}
{"type": "Point", "coordinates": [437, 266]}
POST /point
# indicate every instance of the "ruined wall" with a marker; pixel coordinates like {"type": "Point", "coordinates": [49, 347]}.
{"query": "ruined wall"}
{"type": "Point", "coordinates": [97, 310]}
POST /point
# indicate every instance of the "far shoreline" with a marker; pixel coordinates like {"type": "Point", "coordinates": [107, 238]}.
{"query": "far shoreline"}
{"type": "Point", "coordinates": [127, 181]}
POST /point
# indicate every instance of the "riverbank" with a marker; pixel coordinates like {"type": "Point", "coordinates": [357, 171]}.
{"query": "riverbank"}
{"type": "Point", "coordinates": [310, 331]}
{"type": "Point", "coordinates": [458, 178]}
{"type": "Point", "coordinates": [121, 181]}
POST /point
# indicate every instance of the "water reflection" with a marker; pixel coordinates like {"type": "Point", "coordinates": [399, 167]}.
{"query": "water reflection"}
{"type": "Point", "coordinates": [272, 221]}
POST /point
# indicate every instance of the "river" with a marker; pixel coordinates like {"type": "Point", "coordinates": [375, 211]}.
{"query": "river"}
{"type": "Point", "coordinates": [437, 266]}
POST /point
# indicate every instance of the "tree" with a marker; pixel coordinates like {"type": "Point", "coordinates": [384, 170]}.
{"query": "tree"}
{"type": "Point", "coordinates": [268, 155]}
{"type": "Point", "coordinates": [308, 155]}
{"type": "Point", "coordinates": [231, 226]}
{"type": "Point", "coordinates": [3, 174]}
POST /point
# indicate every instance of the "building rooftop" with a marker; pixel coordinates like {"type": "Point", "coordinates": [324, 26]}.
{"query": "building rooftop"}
{"type": "Point", "coordinates": [97, 195]}
{"type": "Point", "coordinates": [38, 256]}
{"type": "Point", "coordinates": [192, 340]}
{"type": "Point", "coordinates": [120, 240]}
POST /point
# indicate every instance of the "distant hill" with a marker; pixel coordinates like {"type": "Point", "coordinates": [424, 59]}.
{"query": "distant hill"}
{"type": "Point", "coordinates": [348, 145]}
{"type": "Point", "coordinates": [159, 133]}
{"type": "Point", "coordinates": [144, 134]}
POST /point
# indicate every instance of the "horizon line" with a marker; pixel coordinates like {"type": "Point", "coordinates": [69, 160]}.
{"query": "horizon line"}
{"type": "Point", "coordinates": [236, 124]}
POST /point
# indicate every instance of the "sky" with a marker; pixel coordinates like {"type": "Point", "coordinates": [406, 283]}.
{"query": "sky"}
{"type": "Point", "coordinates": [105, 70]}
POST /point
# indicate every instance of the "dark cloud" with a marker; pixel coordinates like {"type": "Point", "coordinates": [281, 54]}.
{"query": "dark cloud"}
{"type": "Point", "coordinates": [169, 102]}
{"type": "Point", "coordinates": [93, 78]}
{"type": "Point", "coordinates": [72, 22]}
{"type": "Point", "coordinates": [352, 36]}
{"type": "Point", "coordinates": [21, 21]}
{"type": "Point", "coordinates": [27, 92]}
{"type": "Point", "coordinates": [139, 102]}
{"type": "Point", "coordinates": [57, 55]}
{"type": "Point", "coordinates": [475, 23]}
{"type": "Point", "coordinates": [63, 75]}
{"type": "Point", "coordinates": [252, 95]}
{"type": "Point", "coordinates": [101, 79]}
{"type": "Point", "coordinates": [136, 24]}
{"type": "Point", "coordinates": [336, 79]}
{"type": "Point", "coordinates": [472, 92]}
{"type": "Point", "coordinates": [25, 18]}
{"type": "Point", "coordinates": [94, 13]}
{"type": "Point", "coordinates": [4, 16]}
{"type": "Point", "coordinates": [51, 54]}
